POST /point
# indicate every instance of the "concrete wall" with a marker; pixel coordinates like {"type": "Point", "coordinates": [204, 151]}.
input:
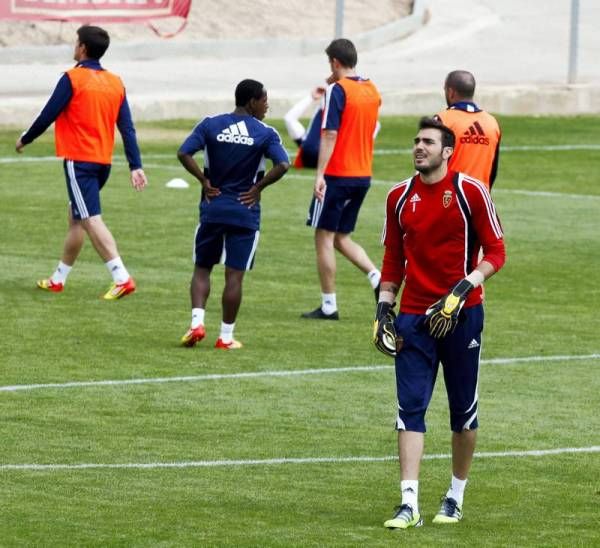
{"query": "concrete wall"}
{"type": "Point", "coordinates": [526, 99]}
{"type": "Point", "coordinates": [510, 100]}
{"type": "Point", "coordinates": [160, 90]}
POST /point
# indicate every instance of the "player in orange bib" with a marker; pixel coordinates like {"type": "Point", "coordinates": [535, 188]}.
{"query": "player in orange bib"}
{"type": "Point", "coordinates": [87, 103]}
{"type": "Point", "coordinates": [477, 132]}
{"type": "Point", "coordinates": [344, 172]}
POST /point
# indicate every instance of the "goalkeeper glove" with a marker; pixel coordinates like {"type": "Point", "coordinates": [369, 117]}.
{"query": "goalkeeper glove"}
{"type": "Point", "coordinates": [384, 333]}
{"type": "Point", "coordinates": [442, 316]}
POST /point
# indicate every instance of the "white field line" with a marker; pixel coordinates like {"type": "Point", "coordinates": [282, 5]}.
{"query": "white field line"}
{"type": "Point", "coordinates": [272, 373]}
{"type": "Point", "coordinates": [284, 460]}
{"type": "Point", "coordinates": [378, 152]}
{"type": "Point", "coordinates": [515, 148]}
{"type": "Point", "coordinates": [176, 168]}
{"type": "Point", "coordinates": [380, 182]}
{"type": "Point", "coordinates": [540, 193]}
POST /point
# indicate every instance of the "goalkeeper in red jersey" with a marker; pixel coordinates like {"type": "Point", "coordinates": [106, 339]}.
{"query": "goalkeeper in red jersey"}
{"type": "Point", "coordinates": [436, 223]}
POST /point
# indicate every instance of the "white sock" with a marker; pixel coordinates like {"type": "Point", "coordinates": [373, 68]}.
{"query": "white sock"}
{"type": "Point", "coordinates": [457, 490]}
{"type": "Point", "coordinates": [197, 317]}
{"type": "Point", "coordinates": [226, 332]}
{"type": "Point", "coordinates": [117, 270]}
{"type": "Point", "coordinates": [410, 493]}
{"type": "Point", "coordinates": [328, 303]}
{"type": "Point", "coordinates": [61, 273]}
{"type": "Point", "coordinates": [374, 278]}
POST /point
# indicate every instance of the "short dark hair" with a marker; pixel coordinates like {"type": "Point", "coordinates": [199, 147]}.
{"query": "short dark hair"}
{"type": "Point", "coordinates": [461, 81]}
{"type": "Point", "coordinates": [344, 51]}
{"type": "Point", "coordinates": [246, 90]}
{"type": "Point", "coordinates": [95, 40]}
{"type": "Point", "coordinates": [448, 138]}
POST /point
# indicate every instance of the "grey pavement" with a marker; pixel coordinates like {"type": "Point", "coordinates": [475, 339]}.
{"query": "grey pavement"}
{"type": "Point", "coordinates": [517, 49]}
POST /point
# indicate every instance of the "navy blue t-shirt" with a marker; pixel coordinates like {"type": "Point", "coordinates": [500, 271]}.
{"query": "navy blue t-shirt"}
{"type": "Point", "coordinates": [235, 149]}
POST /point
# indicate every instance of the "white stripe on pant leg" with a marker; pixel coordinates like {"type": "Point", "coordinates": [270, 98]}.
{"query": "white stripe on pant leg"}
{"type": "Point", "coordinates": [253, 252]}
{"type": "Point", "coordinates": [317, 213]}
{"type": "Point", "coordinates": [194, 246]}
{"type": "Point", "coordinates": [73, 187]}
{"type": "Point", "coordinates": [223, 252]}
{"type": "Point", "coordinates": [79, 201]}
{"type": "Point", "coordinates": [476, 396]}
{"type": "Point", "coordinates": [399, 422]}
{"type": "Point", "coordinates": [313, 215]}
{"type": "Point", "coordinates": [467, 425]}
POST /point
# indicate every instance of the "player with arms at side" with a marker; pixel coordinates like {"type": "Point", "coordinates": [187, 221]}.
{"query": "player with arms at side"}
{"type": "Point", "coordinates": [86, 104]}
{"type": "Point", "coordinates": [477, 147]}
{"type": "Point", "coordinates": [343, 173]}
{"type": "Point", "coordinates": [309, 140]}
{"type": "Point", "coordinates": [436, 223]}
{"type": "Point", "coordinates": [235, 146]}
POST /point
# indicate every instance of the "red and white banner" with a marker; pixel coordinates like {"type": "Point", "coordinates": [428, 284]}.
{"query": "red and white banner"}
{"type": "Point", "coordinates": [94, 11]}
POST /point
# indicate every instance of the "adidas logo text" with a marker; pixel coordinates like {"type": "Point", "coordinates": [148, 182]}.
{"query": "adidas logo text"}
{"type": "Point", "coordinates": [475, 139]}
{"type": "Point", "coordinates": [237, 134]}
{"type": "Point", "coordinates": [473, 344]}
{"type": "Point", "coordinates": [475, 135]}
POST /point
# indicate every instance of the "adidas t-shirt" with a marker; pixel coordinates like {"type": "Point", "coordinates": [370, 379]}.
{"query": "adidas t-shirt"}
{"type": "Point", "coordinates": [432, 236]}
{"type": "Point", "coordinates": [235, 151]}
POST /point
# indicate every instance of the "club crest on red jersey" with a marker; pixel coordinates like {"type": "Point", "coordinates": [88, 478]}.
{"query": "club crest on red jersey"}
{"type": "Point", "coordinates": [447, 198]}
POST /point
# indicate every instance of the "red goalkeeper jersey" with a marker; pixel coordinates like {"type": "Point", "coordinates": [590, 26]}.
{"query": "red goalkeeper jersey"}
{"type": "Point", "coordinates": [432, 237]}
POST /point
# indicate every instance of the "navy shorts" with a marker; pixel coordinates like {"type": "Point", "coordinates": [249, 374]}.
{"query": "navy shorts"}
{"type": "Point", "coordinates": [417, 367]}
{"type": "Point", "coordinates": [234, 246]}
{"type": "Point", "coordinates": [84, 182]}
{"type": "Point", "coordinates": [339, 209]}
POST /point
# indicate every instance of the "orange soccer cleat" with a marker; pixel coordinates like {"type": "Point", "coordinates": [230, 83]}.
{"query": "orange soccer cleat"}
{"type": "Point", "coordinates": [49, 285]}
{"type": "Point", "coordinates": [117, 291]}
{"type": "Point", "coordinates": [193, 336]}
{"type": "Point", "coordinates": [233, 345]}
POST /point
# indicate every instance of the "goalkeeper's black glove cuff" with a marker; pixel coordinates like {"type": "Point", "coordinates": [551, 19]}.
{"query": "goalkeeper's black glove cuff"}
{"type": "Point", "coordinates": [462, 288]}
{"type": "Point", "coordinates": [382, 310]}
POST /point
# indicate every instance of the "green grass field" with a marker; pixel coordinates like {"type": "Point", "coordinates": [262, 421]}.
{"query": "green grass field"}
{"type": "Point", "coordinates": [215, 428]}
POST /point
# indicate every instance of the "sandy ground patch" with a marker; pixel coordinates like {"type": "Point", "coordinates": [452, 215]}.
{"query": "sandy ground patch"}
{"type": "Point", "coordinates": [212, 19]}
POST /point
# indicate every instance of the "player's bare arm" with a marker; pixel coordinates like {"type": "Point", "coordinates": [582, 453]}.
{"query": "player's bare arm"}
{"type": "Point", "coordinates": [486, 269]}
{"type": "Point", "coordinates": [388, 292]}
{"type": "Point", "coordinates": [139, 180]}
{"type": "Point", "coordinates": [328, 140]}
